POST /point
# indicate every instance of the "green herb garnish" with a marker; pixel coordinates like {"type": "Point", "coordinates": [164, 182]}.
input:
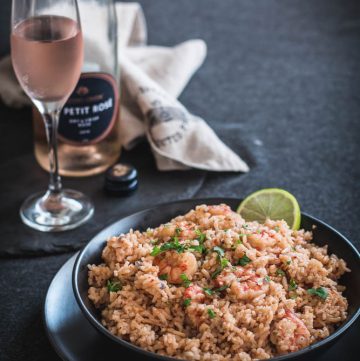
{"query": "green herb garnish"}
{"type": "Point", "coordinates": [156, 250]}
{"type": "Point", "coordinates": [220, 289]}
{"type": "Point", "coordinates": [208, 291]}
{"type": "Point", "coordinates": [320, 292]}
{"type": "Point", "coordinates": [200, 236]}
{"type": "Point", "coordinates": [292, 285]}
{"type": "Point", "coordinates": [175, 245]}
{"type": "Point", "coordinates": [219, 251]}
{"type": "Point", "coordinates": [186, 281]}
{"type": "Point", "coordinates": [288, 262]}
{"type": "Point", "coordinates": [216, 273]}
{"type": "Point", "coordinates": [293, 296]}
{"type": "Point", "coordinates": [178, 231]}
{"type": "Point", "coordinates": [164, 276]}
{"type": "Point", "coordinates": [200, 248]}
{"type": "Point", "coordinates": [224, 262]}
{"type": "Point", "coordinates": [280, 272]}
{"type": "Point", "coordinates": [276, 228]}
{"type": "Point", "coordinates": [187, 302]}
{"type": "Point", "coordinates": [211, 313]}
{"type": "Point", "coordinates": [244, 260]}
{"type": "Point", "coordinates": [211, 291]}
{"type": "Point", "coordinates": [113, 286]}
{"type": "Point", "coordinates": [267, 279]}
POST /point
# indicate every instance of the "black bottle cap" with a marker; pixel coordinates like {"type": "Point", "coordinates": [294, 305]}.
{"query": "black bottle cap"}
{"type": "Point", "coordinates": [121, 180]}
{"type": "Point", "coordinates": [121, 173]}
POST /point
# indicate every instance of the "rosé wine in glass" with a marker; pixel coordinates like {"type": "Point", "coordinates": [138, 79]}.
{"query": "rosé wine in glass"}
{"type": "Point", "coordinates": [47, 53]}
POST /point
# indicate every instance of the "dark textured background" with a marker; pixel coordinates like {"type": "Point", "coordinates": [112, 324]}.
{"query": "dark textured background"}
{"type": "Point", "coordinates": [280, 85]}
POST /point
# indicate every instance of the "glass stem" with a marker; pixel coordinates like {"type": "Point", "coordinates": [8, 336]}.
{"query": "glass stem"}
{"type": "Point", "coordinates": [51, 121]}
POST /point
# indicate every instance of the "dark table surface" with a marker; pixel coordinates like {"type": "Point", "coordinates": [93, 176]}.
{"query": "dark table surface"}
{"type": "Point", "coordinates": [281, 85]}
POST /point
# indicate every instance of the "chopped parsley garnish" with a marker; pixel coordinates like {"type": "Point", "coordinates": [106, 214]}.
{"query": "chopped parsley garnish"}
{"type": "Point", "coordinates": [224, 262]}
{"type": "Point", "coordinates": [175, 245]}
{"type": "Point", "coordinates": [208, 291]}
{"type": "Point", "coordinates": [246, 226]}
{"type": "Point", "coordinates": [244, 260]}
{"type": "Point", "coordinates": [200, 236]}
{"type": "Point", "coordinates": [293, 248]}
{"type": "Point", "coordinates": [280, 272]}
{"type": "Point", "coordinates": [276, 228]}
{"type": "Point", "coordinates": [186, 281]}
{"type": "Point", "coordinates": [154, 241]}
{"type": "Point", "coordinates": [211, 313]}
{"type": "Point", "coordinates": [211, 291]}
{"type": "Point", "coordinates": [164, 276]}
{"type": "Point", "coordinates": [187, 302]}
{"type": "Point", "coordinates": [222, 288]}
{"type": "Point", "coordinates": [200, 248]}
{"type": "Point", "coordinates": [113, 286]}
{"type": "Point", "coordinates": [320, 292]}
{"type": "Point", "coordinates": [288, 262]}
{"type": "Point", "coordinates": [292, 285]}
{"type": "Point", "coordinates": [156, 250]}
{"type": "Point", "coordinates": [219, 251]}
{"type": "Point", "coordinates": [178, 231]}
{"type": "Point", "coordinates": [267, 279]}
{"type": "Point", "coordinates": [293, 296]}
{"type": "Point", "coordinates": [258, 231]}
{"type": "Point", "coordinates": [216, 273]}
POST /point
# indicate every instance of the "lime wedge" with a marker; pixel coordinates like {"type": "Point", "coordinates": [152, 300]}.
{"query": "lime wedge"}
{"type": "Point", "coordinates": [273, 203]}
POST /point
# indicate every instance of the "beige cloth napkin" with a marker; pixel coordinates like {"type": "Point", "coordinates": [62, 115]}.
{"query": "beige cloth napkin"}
{"type": "Point", "coordinates": [152, 78]}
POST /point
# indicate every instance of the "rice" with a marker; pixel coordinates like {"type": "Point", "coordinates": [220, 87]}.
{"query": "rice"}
{"type": "Point", "coordinates": [210, 286]}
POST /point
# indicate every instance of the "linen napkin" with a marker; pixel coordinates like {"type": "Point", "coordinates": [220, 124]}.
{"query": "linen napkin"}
{"type": "Point", "coordinates": [152, 77]}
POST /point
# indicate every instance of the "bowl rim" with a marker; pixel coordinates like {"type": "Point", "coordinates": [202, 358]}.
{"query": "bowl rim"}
{"type": "Point", "coordinates": [105, 332]}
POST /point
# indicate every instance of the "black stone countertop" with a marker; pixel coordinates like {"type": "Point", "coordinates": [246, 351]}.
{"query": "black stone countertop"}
{"type": "Point", "coordinates": [280, 85]}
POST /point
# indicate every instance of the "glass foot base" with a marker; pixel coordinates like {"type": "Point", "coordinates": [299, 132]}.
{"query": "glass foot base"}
{"type": "Point", "coordinates": [56, 212]}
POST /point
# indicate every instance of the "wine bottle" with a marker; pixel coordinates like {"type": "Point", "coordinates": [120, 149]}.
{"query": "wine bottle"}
{"type": "Point", "coordinates": [89, 139]}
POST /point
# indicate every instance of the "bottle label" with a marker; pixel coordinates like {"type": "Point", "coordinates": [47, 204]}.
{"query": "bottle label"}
{"type": "Point", "coordinates": [90, 113]}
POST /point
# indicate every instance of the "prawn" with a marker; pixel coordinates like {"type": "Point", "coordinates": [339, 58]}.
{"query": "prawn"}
{"type": "Point", "coordinates": [175, 264]}
{"type": "Point", "coordinates": [290, 333]}
{"type": "Point", "coordinates": [243, 282]}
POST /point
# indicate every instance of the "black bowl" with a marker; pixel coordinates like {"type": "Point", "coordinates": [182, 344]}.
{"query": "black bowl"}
{"type": "Point", "coordinates": [152, 217]}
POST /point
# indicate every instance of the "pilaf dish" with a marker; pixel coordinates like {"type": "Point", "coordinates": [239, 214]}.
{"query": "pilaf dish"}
{"type": "Point", "coordinates": [210, 286]}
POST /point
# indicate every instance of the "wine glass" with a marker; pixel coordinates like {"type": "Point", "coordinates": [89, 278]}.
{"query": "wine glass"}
{"type": "Point", "coordinates": [47, 56]}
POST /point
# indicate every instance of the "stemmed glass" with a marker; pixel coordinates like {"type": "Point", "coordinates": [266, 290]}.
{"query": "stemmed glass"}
{"type": "Point", "coordinates": [47, 56]}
